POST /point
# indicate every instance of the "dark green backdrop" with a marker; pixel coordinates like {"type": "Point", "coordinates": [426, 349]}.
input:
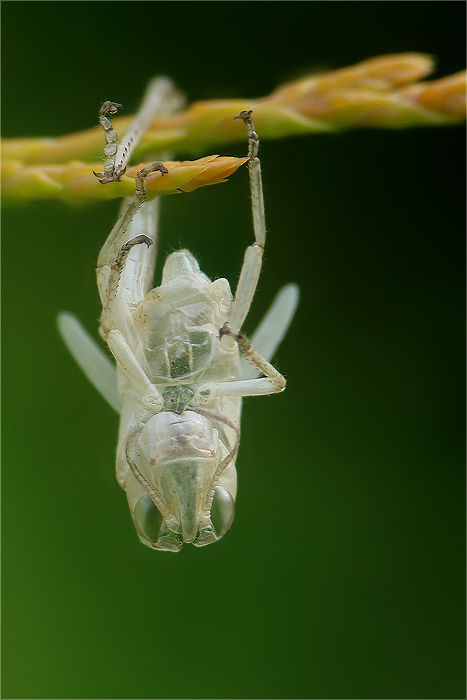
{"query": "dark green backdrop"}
{"type": "Point", "coordinates": [343, 575]}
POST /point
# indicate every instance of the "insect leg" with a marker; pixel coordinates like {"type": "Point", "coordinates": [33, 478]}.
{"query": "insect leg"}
{"type": "Point", "coordinates": [254, 254]}
{"type": "Point", "coordinates": [161, 97]}
{"type": "Point", "coordinates": [272, 329]}
{"type": "Point", "coordinates": [113, 315]}
{"type": "Point", "coordinates": [208, 394]}
{"type": "Point", "coordinates": [138, 274]}
{"type": "Point", "coordinates": [253, 356]}
{"type": "Point", "coordinates": [110, 148]}
{"type": "Point", "coordinates": [111, 260]}
{"type": "Point", "coordinates": [117, 326]}
{"type": "Point", "coordinates": [273, 382]}
{"type": "Point", "coordinates": [151, 396]}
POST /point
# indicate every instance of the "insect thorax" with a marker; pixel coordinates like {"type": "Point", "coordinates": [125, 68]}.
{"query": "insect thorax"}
{"type": "Point", "coordinates": [179, 329]}
{"type": "Point", "coordinates": [177, 398]}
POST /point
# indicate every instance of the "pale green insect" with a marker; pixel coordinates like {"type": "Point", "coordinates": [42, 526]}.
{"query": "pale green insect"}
{"type": "Point", "coordinates": [180, 377]}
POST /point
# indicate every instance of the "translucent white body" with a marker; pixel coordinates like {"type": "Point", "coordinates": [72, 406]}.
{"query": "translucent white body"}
{"type": "Point", "coordinates": [174, 335]}
{"type": "Point", "coordinates": [173, 331]}
{"type": "Point", "coordinates": [180, 378]}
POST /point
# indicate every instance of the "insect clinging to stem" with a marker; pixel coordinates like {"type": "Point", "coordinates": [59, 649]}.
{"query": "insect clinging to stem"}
{"type": "Point", "coordinates": [182, 362]}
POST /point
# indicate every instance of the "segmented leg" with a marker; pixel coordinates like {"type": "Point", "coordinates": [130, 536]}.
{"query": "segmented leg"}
{"type": "Point", "coordinates": [160, 96]}
{"type": "Point", "coordinates": [138, 274]}
{"type": "Point", "coordinates": [254, 254]}
{"type": "Point", "coordinates": [110, 148]}
{"type": "Point", "coordinates": [273, 327]}
{"type": "Point", "coordinates": [116, 270]}
{"type": "Point", "coordinates": [151, 396]}
{"type": "Point", "coordinates": [272, 383]}
{"type": "Point", "coordinates": [114, 253]}
{"type": "Point", "coordinates": [109, 273]}
{"type": "Point", "coordinates": [113, 243]}
{"type": "Point", "coordinates": [254, 358]}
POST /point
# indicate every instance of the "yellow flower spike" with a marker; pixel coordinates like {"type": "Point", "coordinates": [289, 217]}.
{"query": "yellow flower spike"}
{"type": "Point", "coordinates": [381, 92]}
{"type": "Point", "coordinates": [445, 96]}
{"type": "Point", "coordinates": [75, 182]}
{"type": "Point", "coordinates": [376, 74]}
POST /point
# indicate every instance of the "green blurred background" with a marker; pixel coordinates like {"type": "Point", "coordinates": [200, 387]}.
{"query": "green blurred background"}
{"type": "Point", "coordinates": [343, 575]}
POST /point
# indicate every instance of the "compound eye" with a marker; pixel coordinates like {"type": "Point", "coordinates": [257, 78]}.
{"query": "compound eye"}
{"type": "Point", "coordinates": [222, 510]}
{"type": "Point", "coordinates": [148, 519]}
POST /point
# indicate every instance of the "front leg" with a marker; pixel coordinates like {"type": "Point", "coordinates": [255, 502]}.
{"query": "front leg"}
{"type": "Point", "coordinates": [150, 395]}
{"type": "Point", "coordinates": [114, 253]}
{"type": "Point", "coordinates": [161, 97]}
{"type": "Point", "coordinates": [109, 296]}
{"type": "Point", "coordinates": [125, 357]}
{"type": "Point", "coordinates": [115, 240]}
{"type": "Point", "coordinates": [109, 273]}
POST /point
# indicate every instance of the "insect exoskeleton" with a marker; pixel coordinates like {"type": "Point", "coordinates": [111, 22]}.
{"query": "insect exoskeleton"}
{"type": "Point", "coordinates": [178, 451]}
{"type": "Point", "coordinates": [182, 362]}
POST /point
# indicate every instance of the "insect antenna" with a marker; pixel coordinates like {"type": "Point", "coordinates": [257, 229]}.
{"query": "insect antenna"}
{"type": "Point", "coordinates": [150, 490]}
{"type": "Point", "coordinates": [212, 415]}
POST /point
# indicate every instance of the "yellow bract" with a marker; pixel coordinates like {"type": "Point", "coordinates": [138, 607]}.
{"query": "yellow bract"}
{"type": "Point", "coordinates": [75, 181]}
{"type": "Point", "coordinates": [382, 92]}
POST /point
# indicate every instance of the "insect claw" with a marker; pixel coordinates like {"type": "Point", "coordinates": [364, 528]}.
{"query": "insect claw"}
{"type": "Point", "coordinates": [161, 167]}
{"type": "Point", "coordinates": [151, 168]}
{"type": "Point", "coordinates": [144, 172]}
{"type": "Point", "coordinates": [110, 107]}
{"type": "Point", "coordinates": [253, 138]}
{"type": "Point", "coordinates": [136, 241]}
{"type": "Point", "coordinates": [225, 330]}
{"type": "Point", "coordinates": [245, 114]}
{"type": "Point", "coordinates": [103, 179]}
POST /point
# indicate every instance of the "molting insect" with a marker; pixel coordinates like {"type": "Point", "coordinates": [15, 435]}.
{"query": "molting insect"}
{"type": "Point", "coordinates": [182, 363]}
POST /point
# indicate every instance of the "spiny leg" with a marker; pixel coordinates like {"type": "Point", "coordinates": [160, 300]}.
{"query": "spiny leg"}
{"type": "Point", "coordinates": [160, 97]}
{"type": "Point", "coordinates": [114, 254]}
{"type": "Point", "coordinates": [109, 250]}
{"type": "Point", "coordinates": [116, 270]}
{"type": "Point", "coordinates": [273, 382]}
{"type": "Point", "coordinates": [254, 254]}
{"type": "Point", "coordinates": [250, 353]}
{"type": "Point", "coordinates": [116, 158]}
{"type": "Point", "coordinates": [134, 277]}
{"type": "Point", "coordinates": [110, 148]}
{"type": "Point", "coordinates": [138, 273]}
{"type": "Point", "coordinates": [111, 263]}
{"type": "Point", "coordinates": [124, 355]}
{"type": "Point", "coordinates": [273, 327]}
{"type": "Point", "coordinates": [254, 168]}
